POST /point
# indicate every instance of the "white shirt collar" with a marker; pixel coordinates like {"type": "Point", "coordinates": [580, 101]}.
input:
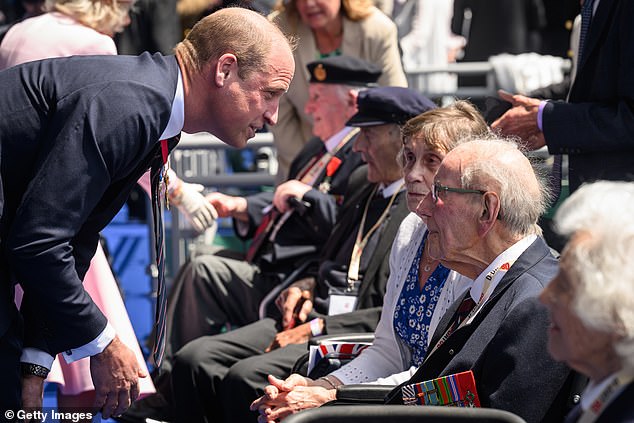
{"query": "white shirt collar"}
{"type": "Point", "coordinates": [510, 254]}
{"type": "Point", "coordinates": [389, 190]}
{"type": "Point", "coordinates": [334, 141]}
{"type": "Point", "coordinates": [177, 117]}
{"type": "Point", "coordinates": [593, 390]}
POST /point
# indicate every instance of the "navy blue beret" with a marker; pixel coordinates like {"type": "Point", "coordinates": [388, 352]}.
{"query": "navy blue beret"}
{"type": "Point", "coordinates": [383, 105]}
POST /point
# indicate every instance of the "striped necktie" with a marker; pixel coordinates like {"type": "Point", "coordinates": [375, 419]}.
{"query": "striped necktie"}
{"type": "Point", "coordinates": [158, 195]}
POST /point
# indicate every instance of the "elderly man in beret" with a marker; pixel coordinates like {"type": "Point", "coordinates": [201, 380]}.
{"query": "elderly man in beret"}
{"type": "Point", "coordinates": [591, 300]}
{"type": "Point", "coordinates": [216, 378]}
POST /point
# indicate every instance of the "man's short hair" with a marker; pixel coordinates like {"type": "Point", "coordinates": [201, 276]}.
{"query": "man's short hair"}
{"type": "Point", "coordinates": [242, 32]}
{"type": "Point", "coordinates": [522, 189]}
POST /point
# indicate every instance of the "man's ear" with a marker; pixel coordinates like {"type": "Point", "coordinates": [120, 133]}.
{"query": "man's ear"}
{"type": "Point", "coordinates": [490, 211]}
{"type": "Point", "coordinates": [352, 98]}
{"type": "Point", "coordinates": [226, 67]}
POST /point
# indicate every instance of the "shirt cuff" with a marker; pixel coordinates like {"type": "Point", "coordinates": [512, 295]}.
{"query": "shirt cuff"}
{"type": "Point", "coordinates": [96, 346]}
{"type": "Point", "coordinates": [35, 356]}
{"type": "Point", "coordinates": [540, 113]}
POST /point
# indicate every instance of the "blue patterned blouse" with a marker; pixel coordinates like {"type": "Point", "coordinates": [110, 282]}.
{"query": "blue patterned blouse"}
{"type": "Point", "coordinates": [415, 307]}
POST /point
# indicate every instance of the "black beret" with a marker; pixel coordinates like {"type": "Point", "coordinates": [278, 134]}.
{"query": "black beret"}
{"type": "Point", "coordinates": [344, 70]}
{"type": "Point", "coordinates": [382, 105]}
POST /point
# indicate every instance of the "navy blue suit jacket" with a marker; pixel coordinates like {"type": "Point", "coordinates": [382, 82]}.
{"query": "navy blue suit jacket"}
{"type": "Point", "coordinates": [75, 135]}
{"type": "Point", "coordinates": [596, 127]}
{"type": "Point", "coordinates": [505, 345]}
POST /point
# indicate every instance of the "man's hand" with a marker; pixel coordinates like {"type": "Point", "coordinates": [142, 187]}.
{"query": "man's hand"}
{"type": "Point", "coordinates": [196, 208]}
{"type": "Point", "coordinates": [521, 120]}
{"type": "Point", "coordinates": [295, 302]}
{"type": "Point", "coordinates": [32, 392]}
{"type": "Point", "coordinates": [283, 192]}
{"type": "Point", "coordinates": [115, 373]}
{"type": "Point", "coordinates": [284, 397]}
{"type": "Point", "coordinates": [229, 206]}
{"type": "Point", "coordinates": [297, 335]}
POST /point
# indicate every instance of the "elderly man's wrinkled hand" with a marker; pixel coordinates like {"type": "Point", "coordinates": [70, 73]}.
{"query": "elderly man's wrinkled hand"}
{"type": "Point", "coordinates": [297, 335]}
{"type": "Point", "coordinates": [115, 374]}
{"type": "Point", "coordinates": [294, 303]}
{"type": "Point", "coordinates": [228, 206]}
{"type": "Point", "coordinates": [284, 191]}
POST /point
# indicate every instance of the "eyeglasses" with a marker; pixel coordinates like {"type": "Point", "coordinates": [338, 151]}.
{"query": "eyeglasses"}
{"type": "Point", "coordinates": [437, 188]}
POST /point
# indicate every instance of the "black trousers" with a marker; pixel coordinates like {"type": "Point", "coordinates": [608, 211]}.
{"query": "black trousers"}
{"type": "Point", "coordinates": [10, 351]}
{"type": "Point", "coordinates": [215, 378]}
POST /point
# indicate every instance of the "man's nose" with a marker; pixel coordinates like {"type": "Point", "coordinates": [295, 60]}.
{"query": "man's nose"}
{"type": "Point", "coordinates": [425, 207]}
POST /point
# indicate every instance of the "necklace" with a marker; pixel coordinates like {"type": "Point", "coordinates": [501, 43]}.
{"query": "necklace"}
{"type": "Point", "coordinates": [426, 262]}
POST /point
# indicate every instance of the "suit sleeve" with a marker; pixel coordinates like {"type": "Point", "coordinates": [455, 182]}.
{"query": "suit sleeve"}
{"type": "Point", "coordinates": [255, 204]}
{"type": "Point", "coordinates": [49, 243]}
{"type": "Point", "coordinates": [585, 128]}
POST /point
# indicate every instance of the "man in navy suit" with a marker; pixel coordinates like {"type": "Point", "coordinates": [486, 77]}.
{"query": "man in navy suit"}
{"type": "Point", "coordinates": [596, 126]}
{"type": "Point", "coordinates": [482, 219]}
{"type": "Point", "coordinates": [75, 135]}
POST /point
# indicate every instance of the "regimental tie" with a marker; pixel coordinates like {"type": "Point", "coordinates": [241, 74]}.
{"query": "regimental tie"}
{"type": "Point", "coordinates": [159, 182]}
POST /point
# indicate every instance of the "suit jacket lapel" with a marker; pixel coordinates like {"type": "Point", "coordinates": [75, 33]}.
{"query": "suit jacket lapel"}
{"type": "Point", "coordinates": [529, 258]}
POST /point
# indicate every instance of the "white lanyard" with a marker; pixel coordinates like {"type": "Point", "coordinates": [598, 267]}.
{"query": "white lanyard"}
{"type": "Point", "coordinates": [487, 289]}
{"type": "Point", "coordinates": [361, 240]}
{"type": "Point", "coordinates": [623, 378]}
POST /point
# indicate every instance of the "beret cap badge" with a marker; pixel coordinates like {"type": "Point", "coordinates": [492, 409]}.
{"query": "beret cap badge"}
{"type": "Point", "coordinates": [320, 72]}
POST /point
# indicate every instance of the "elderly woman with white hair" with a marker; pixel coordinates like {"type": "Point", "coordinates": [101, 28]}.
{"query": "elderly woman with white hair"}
{"type": "Point", "coordinates": [591, 300]}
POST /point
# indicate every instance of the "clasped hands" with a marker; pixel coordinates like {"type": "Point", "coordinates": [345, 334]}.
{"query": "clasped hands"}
{"type": "Point", "coordinates": [520, 120]}
{"type": "Point", "coordinates": [285, 397]}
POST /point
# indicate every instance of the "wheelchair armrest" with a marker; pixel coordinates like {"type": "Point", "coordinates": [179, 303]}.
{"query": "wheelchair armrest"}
{"type": "Point", "coordinates": [343, 337]}
{"type": "Point", "coordinates": [362, 394]}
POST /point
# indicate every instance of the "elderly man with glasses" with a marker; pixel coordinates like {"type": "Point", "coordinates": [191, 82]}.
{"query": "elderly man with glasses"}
{"type": "Point", "coordinates": [482, 216]}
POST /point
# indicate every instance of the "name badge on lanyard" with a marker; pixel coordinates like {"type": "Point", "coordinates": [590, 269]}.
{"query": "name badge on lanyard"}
{"type": "Point", "coordinates": [343, 300]}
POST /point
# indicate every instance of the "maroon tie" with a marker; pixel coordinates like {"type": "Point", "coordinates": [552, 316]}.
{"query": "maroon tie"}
{"type": "Point", "coordinates": [261, 233]}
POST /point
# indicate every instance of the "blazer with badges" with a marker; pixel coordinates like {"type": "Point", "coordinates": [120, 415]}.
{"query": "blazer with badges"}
{"type": "Point", "coordinates": [597, 130]}
{"type": "Point", "coordinates": [375, 268]}
{"type": "Point", "coordinates": [505, 345]}
{"type": "Point", "coordinates": [75, 135]}
{"type": "Point", "coordinates": [301, 236]}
